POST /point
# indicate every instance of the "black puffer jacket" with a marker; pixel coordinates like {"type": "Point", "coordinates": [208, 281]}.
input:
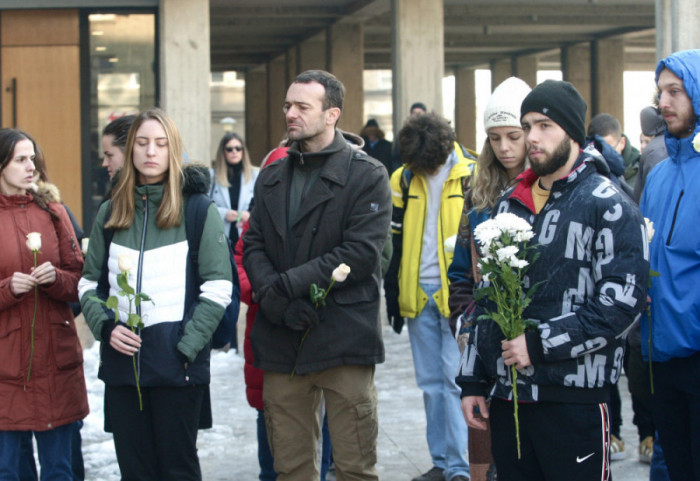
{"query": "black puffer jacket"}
{"type": "Point", "coordinates": [594, 272]}
{"type": "Point", "coordinates": [344, 217]}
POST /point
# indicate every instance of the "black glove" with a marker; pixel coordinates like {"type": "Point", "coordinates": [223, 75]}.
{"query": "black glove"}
{"type": "Point", "coordinates": [301, 315]}
{"type": "Point", "coordinates": [394, 314]}
{"type": "Point", "coordinates": [274, 301]}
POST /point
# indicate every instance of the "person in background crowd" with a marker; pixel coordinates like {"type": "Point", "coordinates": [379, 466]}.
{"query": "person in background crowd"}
{"type": "Point", "coordinates": [417, 108]}
{"type": "Point", "coordinates": [582, 308]}
{"type": "Point", "coordinates": [376, 145]}
{"type": "Point", "coordinates": [502, 159]}
{"type": "Point", "coordinates": [323, 205]}
{"type": "Point", "coordinates": [609, 128]}
{"type": "Point", "coordinates": [654, 151]}
{"type": "Point", "coordinates": [427, 212]}
{"type": "Point", "coordinates": [114, 142]}
{"type": "Point", "coordinates": [156, 439]}
{"type": "Point", "coordinates": [41, 373]}
{"type": "Point", "coordinates": [233, 179]}
{"type": "Point", "coordinates": [671, 336]}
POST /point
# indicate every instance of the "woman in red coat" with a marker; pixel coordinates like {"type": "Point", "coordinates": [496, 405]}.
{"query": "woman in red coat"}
{"type": "Point", "coordinates": [42, 387]}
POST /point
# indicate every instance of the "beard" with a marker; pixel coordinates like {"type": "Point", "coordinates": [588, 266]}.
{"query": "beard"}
{"type": "Point", "coordinates": [686, 128]}
{"type": "Point", "coordinates": [553, 161]}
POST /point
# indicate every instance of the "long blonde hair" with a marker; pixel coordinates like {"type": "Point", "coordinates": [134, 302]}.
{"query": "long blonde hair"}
{"type": "Point", "coordinates": [170, 211]}
{"type": "Point", "coordinates": [221, 166]}
{"type": "Point", "coordinates": [491, 179]}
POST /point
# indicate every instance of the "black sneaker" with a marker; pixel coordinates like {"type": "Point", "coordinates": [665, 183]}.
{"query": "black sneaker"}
{"type": "Point", "coordinates": [435, 474]}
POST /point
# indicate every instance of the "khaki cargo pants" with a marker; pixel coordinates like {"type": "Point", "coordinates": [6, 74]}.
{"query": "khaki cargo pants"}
{"type": "Point", "coordinates": [291, 417]}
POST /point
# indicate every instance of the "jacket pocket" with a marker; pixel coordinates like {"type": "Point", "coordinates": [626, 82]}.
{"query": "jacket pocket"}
{"type": "Point", "coordinates": [11, 348]}
{"type": "Point", "coordinates": [67, 352]}
{"type": "Point", "coordinates": [367, 427]}
{"type": "Point", "coordinates": [356, 294]}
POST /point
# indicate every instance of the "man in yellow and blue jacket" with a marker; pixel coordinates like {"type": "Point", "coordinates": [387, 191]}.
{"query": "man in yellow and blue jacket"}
{"type": "Point", "coordinates": [428, 196]}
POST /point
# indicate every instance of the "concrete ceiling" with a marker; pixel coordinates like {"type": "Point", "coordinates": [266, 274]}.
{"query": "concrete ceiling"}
{"type": "Point", "coordinates": [247, 33]}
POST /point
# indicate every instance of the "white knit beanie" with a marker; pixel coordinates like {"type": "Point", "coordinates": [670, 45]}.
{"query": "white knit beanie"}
{"type": "Point", "coordinates": [503, 109]}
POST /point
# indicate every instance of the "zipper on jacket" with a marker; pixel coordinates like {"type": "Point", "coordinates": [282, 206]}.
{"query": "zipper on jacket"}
{"type": "Point", "coordinates": [673, 222]}
{"type": "Point", "coordinates": [144, 198]}
{"type": "Point", "coordinates": [301, 158]}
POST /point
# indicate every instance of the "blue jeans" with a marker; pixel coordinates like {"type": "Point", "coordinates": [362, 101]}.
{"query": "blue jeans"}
{"type": "Point", "coordinates": [326, 450]}
{"type": "Point", "coordinates": [658, 470]}
{"type": "Point", "coordinates": [54, 448]}
{"type": "Point", "coordinates": [436, 360]}
{"type": "Point", "coordinates": [267, 472]}
{"type": "Point", "coordinates": [27, 467]}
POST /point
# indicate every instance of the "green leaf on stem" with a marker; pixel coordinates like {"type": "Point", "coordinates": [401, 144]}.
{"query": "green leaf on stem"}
{"type": "Point", "coordinates": [134, 321]}
{"type": "Point", "coordinates": [112, 302]}
{"type": "Point", "coordinates": [123, 283]}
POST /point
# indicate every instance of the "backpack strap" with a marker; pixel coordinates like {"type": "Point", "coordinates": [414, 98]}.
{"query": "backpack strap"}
{"type": "Point", "coordinates": [195, 217]}
{"type": "Point", "coordinates": [405, 182]}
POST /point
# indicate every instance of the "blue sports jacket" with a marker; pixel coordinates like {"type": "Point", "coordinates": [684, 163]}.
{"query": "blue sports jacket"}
{"type": "Point", "coordinates": [671, 200]}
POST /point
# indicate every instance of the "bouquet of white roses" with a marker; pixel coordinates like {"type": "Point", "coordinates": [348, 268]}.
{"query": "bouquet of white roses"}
{"type": "Point", "coordinates": [505, 261]}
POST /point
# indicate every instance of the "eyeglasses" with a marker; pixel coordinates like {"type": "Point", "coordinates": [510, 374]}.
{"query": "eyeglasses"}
{"type": "Point", "coordinates": [237, 148]}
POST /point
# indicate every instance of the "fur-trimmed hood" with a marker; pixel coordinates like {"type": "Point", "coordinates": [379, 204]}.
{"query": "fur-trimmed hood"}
{"type": "Point", "coordinates": [47, 192]}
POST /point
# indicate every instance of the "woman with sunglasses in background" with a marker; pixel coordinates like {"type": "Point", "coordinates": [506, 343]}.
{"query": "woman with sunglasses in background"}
{"type": "Point", "coordinates": [233, 179]}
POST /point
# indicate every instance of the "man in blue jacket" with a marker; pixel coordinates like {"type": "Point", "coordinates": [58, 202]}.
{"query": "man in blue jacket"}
{"type": "Point", "coordinates": [670, 200]}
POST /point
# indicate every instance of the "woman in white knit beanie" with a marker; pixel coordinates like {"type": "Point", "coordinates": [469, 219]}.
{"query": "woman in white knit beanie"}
{"type": "Point", "coordinates": [504, 153]}
{"type": "Point", "coordinates": [502, 159]}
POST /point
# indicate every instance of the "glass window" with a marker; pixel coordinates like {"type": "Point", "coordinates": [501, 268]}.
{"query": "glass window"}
{"type": "Point", "coordinates": [122, 76]}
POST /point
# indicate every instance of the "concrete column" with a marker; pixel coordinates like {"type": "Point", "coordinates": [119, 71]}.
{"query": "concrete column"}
{"type": "Point", "coordinates": [256, 113]}
{"type": "Point", "coordinates": [276, 92]}
{"type": "Point", "coordinates": [312, 53]}
{"type": "Point", "coordinates": [346, 60]}
{"type": "Point", "coordinates": [291, 64]}
{"type": "Point", "coordinates": [607, 70]}
{"type": "Point", "coordinates": [418, 56]}
{"type": "Point", "coordinates": [500, 70]}
{"type": "Point", "coordinates": [576, 68]}
{"type": "Point", "coordinates": [185, 71]}
{"type": "Point", "coordinates": [465, 108]}
{"type": "Point", "coordinates": [525, 67]}
{"type": "Point", "coordinates": [676, 26]}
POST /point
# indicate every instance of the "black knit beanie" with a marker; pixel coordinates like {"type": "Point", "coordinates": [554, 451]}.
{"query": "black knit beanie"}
{"type": "Point", "coordinates": [561, 102]}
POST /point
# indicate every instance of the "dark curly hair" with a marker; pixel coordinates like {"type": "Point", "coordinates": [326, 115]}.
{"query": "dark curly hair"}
{"type": "Point", "coordinates": [425, 142]}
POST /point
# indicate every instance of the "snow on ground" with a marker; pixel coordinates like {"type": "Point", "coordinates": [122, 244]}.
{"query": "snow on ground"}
{"type": "Point", "coordinates": [228, 451]}
{"type": "Point", "coordinates": [220, 449]}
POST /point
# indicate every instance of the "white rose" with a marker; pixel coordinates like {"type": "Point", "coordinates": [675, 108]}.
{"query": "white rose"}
{"type": "Point", "coordinates": [341, 272]}
{"type": "Point", "coordinates": [84, 245]}
{"type": "Point", "coordinates": [450, 243]}
{"type": "Point", "coordinates": [696, 143]}
{"type": "Point", "coordinates": [34, 241]}
{"type": "Point", "coordinates": [124, 262]}
{"type": "Point", "coordinates": [650, 227]}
